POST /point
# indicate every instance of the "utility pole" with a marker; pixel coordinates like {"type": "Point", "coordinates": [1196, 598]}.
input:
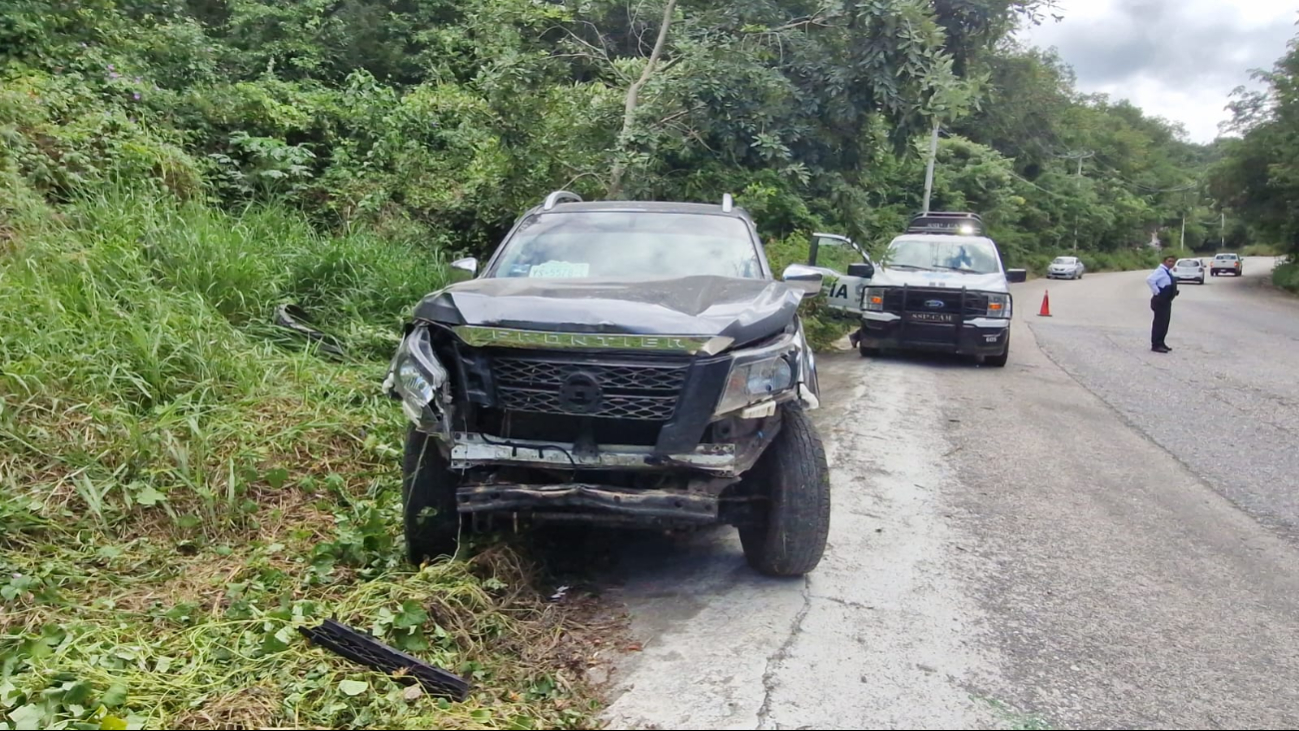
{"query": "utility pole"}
{"type": "Point", "coordinates": [929, 174]}
{"type": "Point", "coordinates": [1079, 156]}
{"type": "Point", "coordinates": [1183, 233]}
{"type": "Point", "coordinates": [1222, 241]}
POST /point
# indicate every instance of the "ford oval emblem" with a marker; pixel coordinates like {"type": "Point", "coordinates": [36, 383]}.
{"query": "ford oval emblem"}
{"type": "Point", "coordinates": [935, 304]}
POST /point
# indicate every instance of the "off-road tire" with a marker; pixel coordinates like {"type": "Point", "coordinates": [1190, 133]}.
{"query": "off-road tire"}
{"type": "Point", "coordinates": [999, 361]}
{"type": "Point", "coordinates": [869, 352]}
{"type": "Point", "coordinates": [428, 482]}
{"type": "Point", "coordinates": [790, 538]}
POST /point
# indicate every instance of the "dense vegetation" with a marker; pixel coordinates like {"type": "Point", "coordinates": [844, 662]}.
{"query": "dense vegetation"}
{"type": "Point", "coordinates": [1258, 173]}
{"type": "Point", "coordinates": [181, 482]}
{"type": "Point", "coordinates": [441, 120]}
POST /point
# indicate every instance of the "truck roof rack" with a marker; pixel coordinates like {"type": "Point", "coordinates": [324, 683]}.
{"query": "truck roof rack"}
{"type": "Point", "coordinates": [558, 197]}
{"type": "Point", "coordinates": [946, 222]}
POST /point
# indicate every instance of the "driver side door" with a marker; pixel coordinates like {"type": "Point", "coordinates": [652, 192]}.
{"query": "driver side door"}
{"type": "Point", "coordinates": [847, 270]}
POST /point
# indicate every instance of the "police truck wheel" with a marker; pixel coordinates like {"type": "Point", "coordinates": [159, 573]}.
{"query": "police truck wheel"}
{"type": "Point", "coordinates": [999, 361]}
{"type": "Point", "coordinates": [869, 352]}
{"type": "Point", "coordinates": [794, 523]}
{"type": "Point", "coordinates": [428, 492]}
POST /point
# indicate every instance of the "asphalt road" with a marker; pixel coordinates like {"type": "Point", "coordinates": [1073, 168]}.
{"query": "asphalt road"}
{"type": "Point", "coordinates": [1096, 536]}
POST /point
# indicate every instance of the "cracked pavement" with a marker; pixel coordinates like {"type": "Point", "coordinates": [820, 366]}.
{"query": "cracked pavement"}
{"type": "Point", "coordinates": [877, 632]}
{"type": "Point", "coordinates": [1094, 536]}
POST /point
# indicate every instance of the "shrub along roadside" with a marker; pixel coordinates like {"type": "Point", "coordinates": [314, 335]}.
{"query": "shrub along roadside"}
{"type": "Point", "coordinates": [181, 486]}
{"type": "Point", "coordinates": [1286, 276]}
{"type": "Point", "coordinates": [1263, 250]}
{"type": "Point", "coordinates": [1127, 260]}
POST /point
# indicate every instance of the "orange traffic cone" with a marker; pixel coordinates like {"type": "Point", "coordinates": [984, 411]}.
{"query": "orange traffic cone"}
{"type": "Point", "coordinates": [1046, 304]}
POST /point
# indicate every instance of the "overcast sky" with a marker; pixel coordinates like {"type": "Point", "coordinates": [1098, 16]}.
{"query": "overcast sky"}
{"type": "Point", "coordinates": [1178, 59]}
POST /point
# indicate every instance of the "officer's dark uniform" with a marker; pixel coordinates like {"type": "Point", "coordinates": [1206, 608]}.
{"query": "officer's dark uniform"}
{"type": "Point", "coordinates": [1161, 304]}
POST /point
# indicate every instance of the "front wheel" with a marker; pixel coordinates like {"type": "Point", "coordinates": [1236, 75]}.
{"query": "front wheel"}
{"type": "Point", "coordinates": [869, 352]}
{"type": "Point", "coordinates": [999, 361]}
{"type": "Point", "coordinates": [789, 537]}
{"type": "Point", "coordinates": [428, 492]}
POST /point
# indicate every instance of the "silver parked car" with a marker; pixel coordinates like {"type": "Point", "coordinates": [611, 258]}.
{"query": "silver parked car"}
{"type": "Point", "coordinates": [1189, 270]}
{"type": "Point", "coordinates": [1066, 267]}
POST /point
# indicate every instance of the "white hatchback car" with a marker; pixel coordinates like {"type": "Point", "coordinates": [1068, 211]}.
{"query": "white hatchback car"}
{"type": "Point", "coordinates": [1189, 270]}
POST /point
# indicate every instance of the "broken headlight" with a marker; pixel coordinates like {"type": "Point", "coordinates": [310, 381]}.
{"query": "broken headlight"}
{"type": "Point", "coordinates": [757, 377]}
{"type": "Point", "coordinates": [417, 378]}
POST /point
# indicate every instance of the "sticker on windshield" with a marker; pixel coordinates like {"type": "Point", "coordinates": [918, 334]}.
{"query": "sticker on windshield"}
{"type": "Point", "coordinates": [560, 270]}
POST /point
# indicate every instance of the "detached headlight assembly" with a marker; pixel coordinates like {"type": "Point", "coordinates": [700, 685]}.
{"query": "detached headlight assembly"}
{"type": "Point", "coordinates": [417, 378]}
{"type": "Point", "coordinates": [755, 381]}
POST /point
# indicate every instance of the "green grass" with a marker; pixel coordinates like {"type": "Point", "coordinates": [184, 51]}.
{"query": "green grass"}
{"type": "Point", "coordinates": [1286, 276]}
{"type": "Point", "coordinates": [1263, 250]}
{"type": "Point", "coordinates": [1012, 718]}
{"type": "Point", "coordinates": [181, 485]}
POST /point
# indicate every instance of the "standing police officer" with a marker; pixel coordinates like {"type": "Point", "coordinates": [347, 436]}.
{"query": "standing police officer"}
{"type": "Point", "coordinates": [1163, 288]}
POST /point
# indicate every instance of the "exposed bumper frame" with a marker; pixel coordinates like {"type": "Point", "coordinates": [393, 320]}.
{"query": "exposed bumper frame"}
{"type": "Point", "coordinates": [473, 450]}
{"type": "Point", "coordinates": [678, 506]}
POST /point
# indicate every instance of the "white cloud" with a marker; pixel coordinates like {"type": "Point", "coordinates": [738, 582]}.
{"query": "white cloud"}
{"type": "Point", "coordinates": [1177, 59]}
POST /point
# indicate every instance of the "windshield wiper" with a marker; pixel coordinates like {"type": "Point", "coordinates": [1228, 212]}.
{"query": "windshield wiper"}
{"type": "Point", "coordinates": [959, 269]}
{"type": "Point", "coordinates": [909, 266]}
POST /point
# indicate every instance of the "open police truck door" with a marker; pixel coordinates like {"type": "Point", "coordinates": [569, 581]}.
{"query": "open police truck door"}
{"type": "Point", "coordinates": [847, 271]}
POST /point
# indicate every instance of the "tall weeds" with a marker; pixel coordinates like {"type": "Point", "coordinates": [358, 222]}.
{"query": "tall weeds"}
{"type": "Point", "coordinates": [181, 483]}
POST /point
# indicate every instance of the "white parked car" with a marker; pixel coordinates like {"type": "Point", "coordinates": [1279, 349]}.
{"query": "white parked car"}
{"type": "Point", "coordinates": [1066, 267]}
{"type": "Point", "coordinates": [1189, 270]}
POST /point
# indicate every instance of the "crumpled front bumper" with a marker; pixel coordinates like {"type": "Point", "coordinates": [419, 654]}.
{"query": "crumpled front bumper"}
{"type": "Point", "coordinates": [690, 492]}
{"type": "Point", "coordinates": [591, 502]}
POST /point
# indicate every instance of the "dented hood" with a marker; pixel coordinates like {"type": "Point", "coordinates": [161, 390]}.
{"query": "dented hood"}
{"type": "Point", "coordinates": [709, 306]}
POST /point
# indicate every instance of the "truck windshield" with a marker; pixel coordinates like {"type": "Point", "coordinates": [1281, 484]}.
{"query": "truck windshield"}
{"type": "Point", "coordinates": [630, 245]}
{"type": "Point", "coordinates": [943, 253]}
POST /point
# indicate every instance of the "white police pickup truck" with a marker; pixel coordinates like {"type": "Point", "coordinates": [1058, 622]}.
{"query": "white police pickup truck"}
{"type": "Point", "coordinates": [940, 287]}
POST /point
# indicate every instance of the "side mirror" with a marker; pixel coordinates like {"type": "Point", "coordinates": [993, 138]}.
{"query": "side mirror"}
{"type": "Point", "coordinates": [1016, 276]}
{"type": "Point", "coordinates": [462, 269]}
{"type": "Point", "coordinates": [865, 271]}
{"type": "Point", "coordinates": [803, 278]}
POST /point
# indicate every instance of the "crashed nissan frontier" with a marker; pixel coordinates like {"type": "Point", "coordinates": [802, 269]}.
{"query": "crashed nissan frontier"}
{"type": "Point", "coordinates": [623, 364]}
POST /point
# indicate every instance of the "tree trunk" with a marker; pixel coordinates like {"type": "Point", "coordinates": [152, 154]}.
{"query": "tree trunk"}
{"type": "Point", "coordinates": [633, 99]}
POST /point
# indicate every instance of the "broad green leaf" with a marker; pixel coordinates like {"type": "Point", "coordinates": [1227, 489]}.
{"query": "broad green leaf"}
{"type": "Point", "coordinates": [27, 717]}
{"type": "Point", "coordinates": [149, 496]}
{"type": "Point", "coordinates": [115, 696]}
{"type": "Point", "coordinates": [353, 688]}
{"type": "Point", "coordinates": [277, 477]}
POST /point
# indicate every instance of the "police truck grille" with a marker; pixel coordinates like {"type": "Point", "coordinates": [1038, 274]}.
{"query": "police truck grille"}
{"type": "Point", "coordinates": [956, 302]}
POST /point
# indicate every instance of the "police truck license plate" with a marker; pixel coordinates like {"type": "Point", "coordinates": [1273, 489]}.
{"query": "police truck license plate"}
{"type": "Point", "coordinates": [931, 317]}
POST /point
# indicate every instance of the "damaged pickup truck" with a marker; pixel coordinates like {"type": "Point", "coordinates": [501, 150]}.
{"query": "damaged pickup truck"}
{"type": "Point", "coordinates": [617, 363]}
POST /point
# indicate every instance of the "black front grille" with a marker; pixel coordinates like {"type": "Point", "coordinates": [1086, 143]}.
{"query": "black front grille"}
{"type": "Point", "coordinates": [628, 390]}
{"type": "Point", "coordinates": [953, 301]}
